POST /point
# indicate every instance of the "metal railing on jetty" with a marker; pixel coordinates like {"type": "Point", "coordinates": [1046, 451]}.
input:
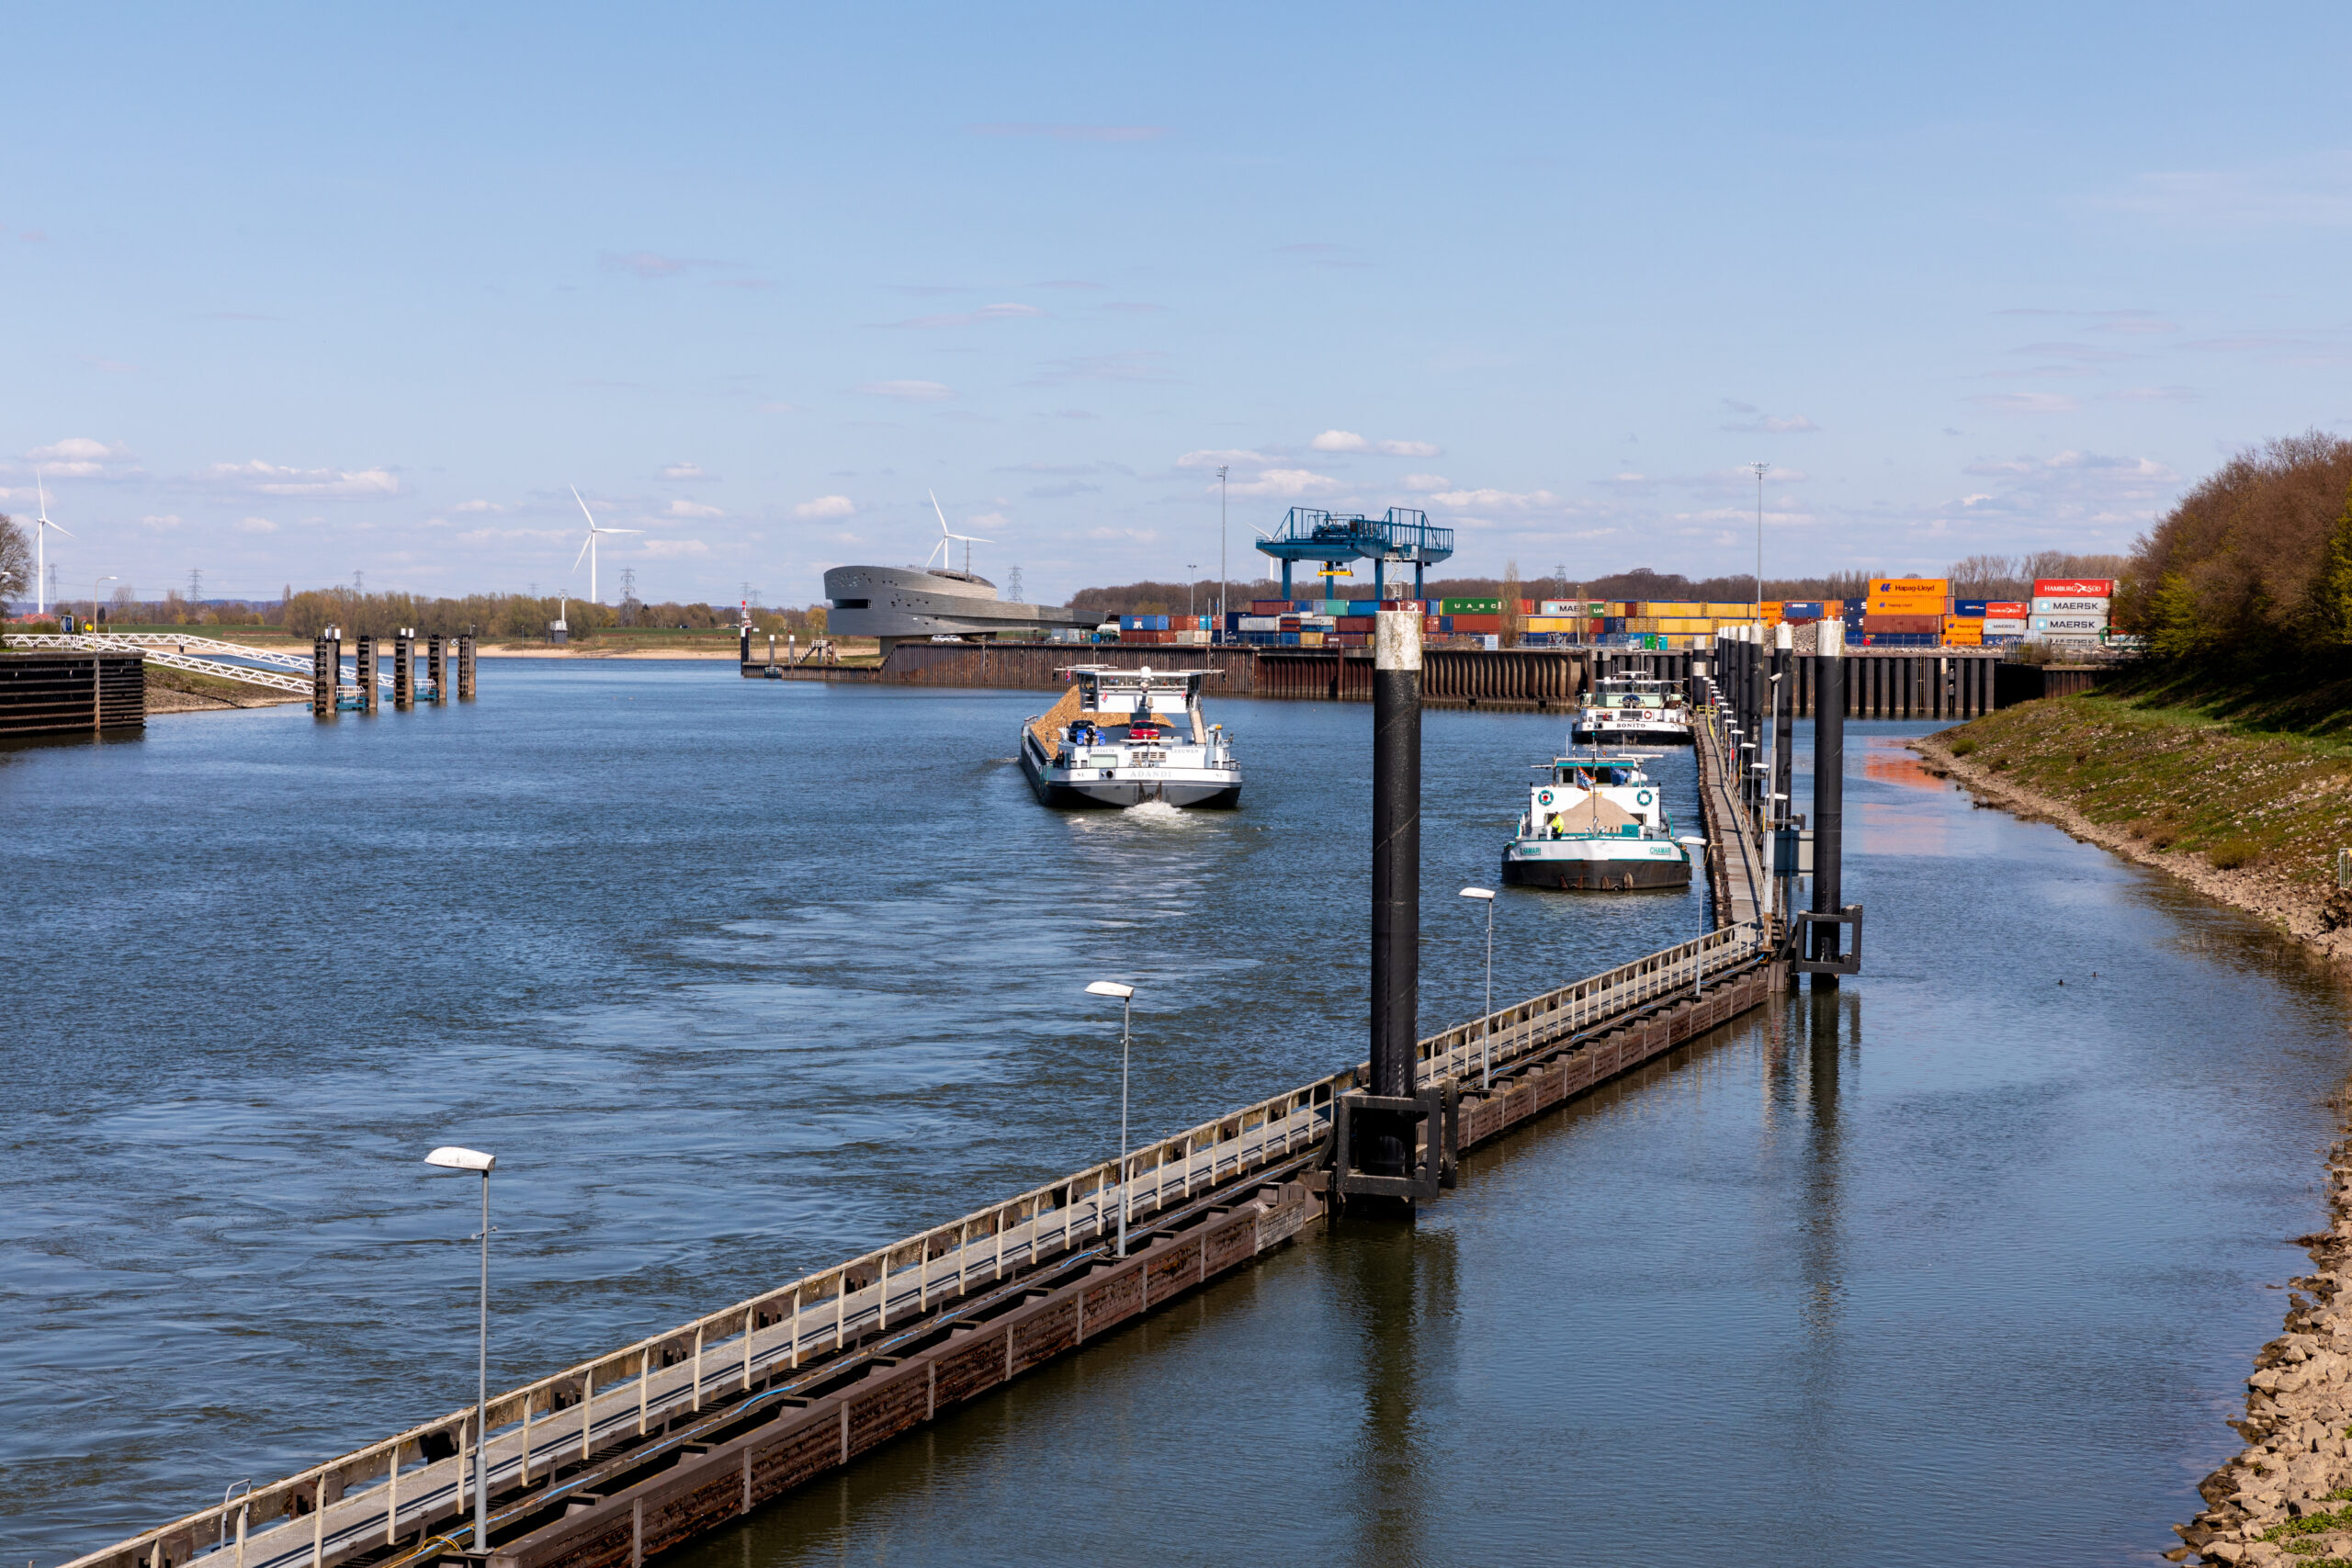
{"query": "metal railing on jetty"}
{"type": "Point", "coordinates": [199, 655]}
{"type": "Point", "coordinates": [367, 1500]}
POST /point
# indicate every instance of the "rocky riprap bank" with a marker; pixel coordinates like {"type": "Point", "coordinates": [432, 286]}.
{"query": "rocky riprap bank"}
{"type": "Point", "coordinates": [2287, 1498]}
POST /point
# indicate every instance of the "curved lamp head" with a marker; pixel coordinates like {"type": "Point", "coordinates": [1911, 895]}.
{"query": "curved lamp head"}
{"type": "Point", "coordinates": [1110, 988]}
{"type": "Point", "coordinates": [1486, 893]}
{"type": "Point", "coordinates": [452, 1158]}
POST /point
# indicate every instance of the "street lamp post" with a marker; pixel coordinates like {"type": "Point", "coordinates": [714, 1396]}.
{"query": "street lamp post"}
{"type": "Point", "coordinates": [1486, 1026]}
{"type": "Point", "coordinates": [1192, 570]}
{"type": "Point", "coordinates": [1699, 983]}
{"type": "Point", "coordinates": [1761, 471]}
{"type": "Point", "coordinates": [455, 1158]}
{"type": "Point", "coordinates": [1127, 995]}
{"type": "Point", "coordinates": [1221, 573]}
{"type": "Point", "coordinates": [93, 597]}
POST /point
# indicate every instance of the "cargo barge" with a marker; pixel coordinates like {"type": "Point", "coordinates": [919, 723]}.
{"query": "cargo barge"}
{"type": "Point", "coordinates": [1633, 709]}
{"type": "Point", "coordinates": [1122, 737]}
{"type": "Point", "coordinates": [1596, 824]}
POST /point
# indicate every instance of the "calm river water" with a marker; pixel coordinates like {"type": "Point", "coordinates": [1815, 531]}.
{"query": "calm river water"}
{"type": "Point", "coordinates": [738, 978]}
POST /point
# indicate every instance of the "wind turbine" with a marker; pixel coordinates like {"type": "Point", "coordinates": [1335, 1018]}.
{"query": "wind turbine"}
{"type": "Point", "coordinates": [588, 547]}
{"type": "Point", "coordinates": [40, 534]}
{"type": "Point", "coordinates": [941, 551]}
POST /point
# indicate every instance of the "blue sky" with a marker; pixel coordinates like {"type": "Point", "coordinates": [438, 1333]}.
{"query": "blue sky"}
{"type": "Point", "coordinates": [295, 293]}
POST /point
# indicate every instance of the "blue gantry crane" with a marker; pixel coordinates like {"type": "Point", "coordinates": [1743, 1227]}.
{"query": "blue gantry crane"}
{"type": "Point", "coordinates": [1403, 538]}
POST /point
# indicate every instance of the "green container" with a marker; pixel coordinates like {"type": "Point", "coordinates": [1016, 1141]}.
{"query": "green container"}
{"type": "Point", "coordinates": [1470, 607]}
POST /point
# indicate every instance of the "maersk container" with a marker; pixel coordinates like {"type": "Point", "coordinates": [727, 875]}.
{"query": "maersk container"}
{"type": "Point", "coordinates": [2068, 626]}
{"type": "Point", "coordinates": [2072, 607]}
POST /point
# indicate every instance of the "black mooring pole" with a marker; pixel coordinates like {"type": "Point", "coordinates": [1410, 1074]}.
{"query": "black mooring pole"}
{"type": "Point", "coordinates": [1395, 877]}
{"type": "Point", "coordinates": [1828, 792]}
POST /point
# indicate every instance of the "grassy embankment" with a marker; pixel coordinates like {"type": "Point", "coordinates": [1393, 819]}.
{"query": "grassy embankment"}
{"type": "Point", "coordinates": [2242, 786]}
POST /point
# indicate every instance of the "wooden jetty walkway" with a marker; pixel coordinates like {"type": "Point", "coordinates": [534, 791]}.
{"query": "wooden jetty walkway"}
{"type": "Point", "coordinates": [1737, 880]}
{"type": "Point", "coordinates": [612, 1460]}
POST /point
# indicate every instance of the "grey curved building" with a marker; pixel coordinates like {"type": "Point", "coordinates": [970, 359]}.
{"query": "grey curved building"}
{"type": "Point", "coordinates": [899, 603]}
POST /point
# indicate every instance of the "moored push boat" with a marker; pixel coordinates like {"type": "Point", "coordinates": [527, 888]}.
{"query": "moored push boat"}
{"type": "Point", "coordinates": [1599, 823]}
{"type": "Point", "coordinates": [1632, 710]}
{"type": "Point", "coordinates": [1123, 737]}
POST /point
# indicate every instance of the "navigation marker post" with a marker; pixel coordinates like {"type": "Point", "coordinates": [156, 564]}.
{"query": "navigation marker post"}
{"type": "Point", "coordinates": [1377, 1135]}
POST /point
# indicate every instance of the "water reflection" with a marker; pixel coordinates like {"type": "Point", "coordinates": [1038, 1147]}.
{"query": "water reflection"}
{"type": "Point", "coordinates": [1398, 1284]}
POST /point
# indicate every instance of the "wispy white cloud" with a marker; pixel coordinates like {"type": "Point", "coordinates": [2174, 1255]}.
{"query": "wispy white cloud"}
{"type": "Point", "coordinates": [683, 471]}
{"type": "Point", "coordinates": [323, 484]}
{"type": "Point", "coordinates": [2166, 394]}
{"type": "Point", "coordinates": [907, 392]}
{"type": "Point", "coordinates": [255, 525]}
{"type": "Point", "coordinates": [82, 457]}
{"type": "Point", "coordinates": [673, 549]}
{"type": "Point", "coordinates": [1424, 482]}
{"type": "Point", "coordinates": [826, 506]}
{"type": "Point", "coordinates": [1231, 456]}
{"type": "Point", "coordinates": [1407, 449]}
{"type": "Point", "coordinates": [1339, 441]}
{"type": "Point", "coordinates": [1493, 500]}
{"type": "Point", "coordinates": [683, 508]}
{"type": "Point", "coordinates": [1287, 482]}
{"type": "Point", "coordinates": [491, 506]}
{"type": "Point", "coordinates": [161, 520]}
{"type": "Point", "coordinates": [2083, 498]}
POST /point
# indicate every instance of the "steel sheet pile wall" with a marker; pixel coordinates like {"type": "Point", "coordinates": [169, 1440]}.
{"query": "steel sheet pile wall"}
{"type": "Point", "coordinates": [58, 693]}
{"type": "Point", "coordinates": [1034, 666]}
{"type": "Point", "coordinates": [1905, 685]}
